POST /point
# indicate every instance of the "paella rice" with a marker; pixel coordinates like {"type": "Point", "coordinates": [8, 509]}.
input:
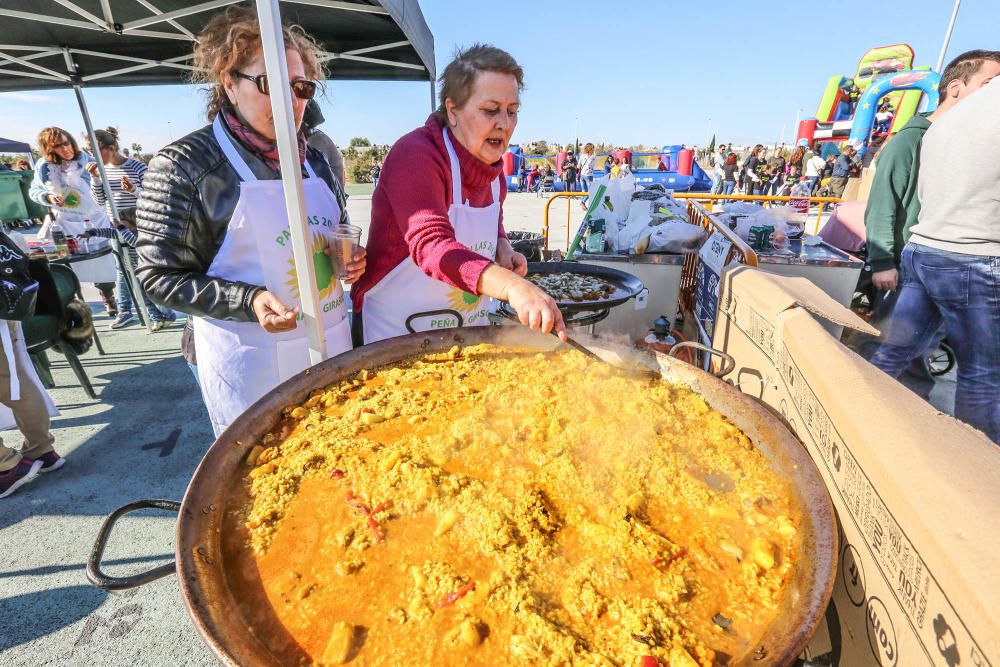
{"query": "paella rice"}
{"type": "Point", "coordinates": [488, 506]}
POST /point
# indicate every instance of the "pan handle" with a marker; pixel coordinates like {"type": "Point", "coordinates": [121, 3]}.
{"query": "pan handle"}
{"type": "Point", "coordinates": [109, 583]}
{"type": "Point", "coordinates": [444, 311]}
{"type": "Point", "coordinates": [728, 363]}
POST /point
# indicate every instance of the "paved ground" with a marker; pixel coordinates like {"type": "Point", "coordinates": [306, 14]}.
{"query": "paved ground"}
{"type": "Point", "coordinates": [141, 438]}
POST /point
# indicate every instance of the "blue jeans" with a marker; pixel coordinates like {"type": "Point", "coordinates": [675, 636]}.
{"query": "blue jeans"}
{"type": "Point", "coordinates": [585, 182]}
{"type": "Point", "coordinates": [727, 188]}
{"type": "Point", "coordinates": [716, 185]}
{"type": "Point", "coordinates": [963, 293]}
{"type": "Point", "coordinates": [124, 301]}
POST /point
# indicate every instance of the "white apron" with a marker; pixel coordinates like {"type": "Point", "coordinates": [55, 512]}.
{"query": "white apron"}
{"type": "Point", "coordinates": [75, 220]}
{"type": "Point", "coordinates": [238, 362]}
{"type": "Point", "coordinates": [408, 300]}
{"type": "Point", "coordinates": [12, 340]}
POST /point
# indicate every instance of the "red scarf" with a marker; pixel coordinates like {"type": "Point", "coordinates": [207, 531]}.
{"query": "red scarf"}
{"type": "Point", "coordinates": [265, 149]}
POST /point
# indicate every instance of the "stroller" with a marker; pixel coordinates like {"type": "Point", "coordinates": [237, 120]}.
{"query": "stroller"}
{"type": "Point", "coordinates": [546, 184]}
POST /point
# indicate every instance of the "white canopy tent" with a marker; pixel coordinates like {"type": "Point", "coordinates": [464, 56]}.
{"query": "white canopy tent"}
{"type": "Point", "coordinates": [90, 43]}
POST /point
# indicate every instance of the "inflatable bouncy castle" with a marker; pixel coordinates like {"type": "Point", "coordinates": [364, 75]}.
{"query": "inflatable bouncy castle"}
{"type": "Point", "coordinates": [846, 106]}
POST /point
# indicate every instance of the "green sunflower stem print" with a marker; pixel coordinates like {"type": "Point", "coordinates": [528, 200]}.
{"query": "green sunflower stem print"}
{"type": "Point", "coordinates": [325, 281]}
{"type": "Point", "coordinates": [462, 301]}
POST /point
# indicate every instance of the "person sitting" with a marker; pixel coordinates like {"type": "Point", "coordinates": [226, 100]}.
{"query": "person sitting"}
{"type": "Point", "coordinates": [533, 177]}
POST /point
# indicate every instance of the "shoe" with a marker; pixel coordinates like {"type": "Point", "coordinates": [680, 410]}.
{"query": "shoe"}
{"type": "Point", "coordinates": [123, 320]}
{"type": "Point", "coordinates": [162, 324]}
{"type": "Point", "coordinates": [51, 461]}
{"type": "Point", "coordinates": [12, 480]}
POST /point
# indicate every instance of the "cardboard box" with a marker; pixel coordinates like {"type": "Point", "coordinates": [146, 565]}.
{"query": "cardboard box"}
{"type": "Point", "coordinates": [917, 492]}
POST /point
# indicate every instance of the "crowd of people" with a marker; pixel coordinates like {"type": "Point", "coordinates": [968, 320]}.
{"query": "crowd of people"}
{"type": "Point", "coordinates": [576, 174]}
{"type": "Point", "coordinates": [774, 171]}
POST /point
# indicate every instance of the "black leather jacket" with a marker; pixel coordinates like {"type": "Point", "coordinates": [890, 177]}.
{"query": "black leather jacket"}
{"type": "Point", "coordinates": [188, 196]}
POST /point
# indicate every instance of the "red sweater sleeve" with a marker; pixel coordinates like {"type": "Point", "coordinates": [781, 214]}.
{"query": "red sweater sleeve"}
{"type": "Point", "coordinates": [417, 185]}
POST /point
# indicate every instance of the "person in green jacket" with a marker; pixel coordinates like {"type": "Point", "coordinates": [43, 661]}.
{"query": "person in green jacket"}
{"type": "Point", "coordinates": [893, 206]}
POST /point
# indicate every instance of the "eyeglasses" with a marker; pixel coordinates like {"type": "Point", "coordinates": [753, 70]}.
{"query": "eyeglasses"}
{"type": "Point", "coordinates": [62, 145]}
{"type": "Point", "coordinates": [303, 89]}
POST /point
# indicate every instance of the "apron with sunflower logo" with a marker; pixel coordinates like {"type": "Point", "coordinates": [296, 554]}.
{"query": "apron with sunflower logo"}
{"type": "Point", "coordinates": [79, 214]}
{"type": "Point", "coordinates": [408, 300]}
{"type": "Point", "coordinates": [238, 362]}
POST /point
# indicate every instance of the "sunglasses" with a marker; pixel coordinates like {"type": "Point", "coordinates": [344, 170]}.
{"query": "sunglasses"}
{"type": "Point", "coordinates": [304, 90]}
{"type": "Point", "coordinates": [61, 145]}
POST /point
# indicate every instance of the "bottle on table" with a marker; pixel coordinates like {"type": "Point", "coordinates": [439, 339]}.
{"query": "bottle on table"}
{"type": "Point", "coordinates": [59, 239]}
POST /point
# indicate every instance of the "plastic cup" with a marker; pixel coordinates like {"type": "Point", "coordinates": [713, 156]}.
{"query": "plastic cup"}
{"type": "Point", "coordinates": [344, 243]}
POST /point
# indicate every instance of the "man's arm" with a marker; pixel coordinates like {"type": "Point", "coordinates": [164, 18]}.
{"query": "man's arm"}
{"type": "Point", "coordinates": [892, 176]}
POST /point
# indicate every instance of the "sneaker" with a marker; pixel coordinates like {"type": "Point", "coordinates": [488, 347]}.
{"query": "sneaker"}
{"type": "Point", "coordinates": [162, 324]}
{"type": "Point", "coordinates": [51, 461]}
{"type": "Point", "coordinates": [123, 320]}
{"type": "Point", "coordinates": [25, 471]}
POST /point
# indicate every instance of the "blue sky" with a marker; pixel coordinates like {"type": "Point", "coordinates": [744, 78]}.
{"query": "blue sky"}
{"type": "Point", "coordinates": [652, 72]}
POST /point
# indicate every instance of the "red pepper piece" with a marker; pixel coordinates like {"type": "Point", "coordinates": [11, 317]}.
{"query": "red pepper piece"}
{"type": "Point", "coordinates": [662, 564]}
{"type": "Point", "coordinates": [648, 661]}
{"type": "Point", "coordinates": [369, 514]}
{"type": "Point", "coordinates": [337, 474]}
{"type": "Point", "coordinates": [455, 596]}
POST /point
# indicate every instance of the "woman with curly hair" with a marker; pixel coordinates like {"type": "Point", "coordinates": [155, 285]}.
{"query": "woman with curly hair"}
{"type": "Point", "coordinates": [214, 236]}
{"type": "Point", "coordinates": [62, 183]}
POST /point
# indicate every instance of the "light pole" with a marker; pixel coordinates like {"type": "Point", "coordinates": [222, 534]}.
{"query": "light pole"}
{"type": "Point", "coordinates": [947, 35]}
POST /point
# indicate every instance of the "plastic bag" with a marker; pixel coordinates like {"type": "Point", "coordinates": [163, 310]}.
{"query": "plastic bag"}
{"type": "Point", "coordinates": [615, 207]}
{"type": "Point", "coordinates": [775, 217]}
{"type": "Point", "coordinates": [673, 237]}
{"type": "Point", "coordinates": [633, 228]}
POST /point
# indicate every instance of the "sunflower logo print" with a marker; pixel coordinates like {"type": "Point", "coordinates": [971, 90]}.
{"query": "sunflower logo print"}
{"type": "Point", "coordinates": [325, 282]}
{"type": "Point", "coordinates": [462, 301]}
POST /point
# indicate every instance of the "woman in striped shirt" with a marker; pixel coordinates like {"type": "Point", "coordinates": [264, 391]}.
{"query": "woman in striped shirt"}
{"type": "Point", "coordinates": [125, 177]}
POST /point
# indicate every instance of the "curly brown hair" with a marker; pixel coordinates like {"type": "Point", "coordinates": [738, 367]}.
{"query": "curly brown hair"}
{"type": "Point", "coordinates": [460, 74]}
{"type": "Point", "coordinates": [231, 39]}
{"type": "Point", "coordinates": [47, 140]}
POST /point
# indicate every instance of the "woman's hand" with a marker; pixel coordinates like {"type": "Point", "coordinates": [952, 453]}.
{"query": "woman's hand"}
{"type": "Point", "coordinates": [510, 259]}
{"type": "Point", "coordinates": [56, 200]}
{"type": "Point", "coordinates": [356, 267]}
{"type": "Point", "coordinates": [536, 309]}
{"type": "Point", "coordinates": [127, 184]}
{"type": "Point", "coordinates": [92, 168]}
{"type": "Point", "coordinates": [274, 316]}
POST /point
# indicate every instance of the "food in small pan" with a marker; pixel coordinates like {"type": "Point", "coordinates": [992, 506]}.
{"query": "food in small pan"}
{"type": "Point", "coordinates": [445, 511]}
{"type": "Point", "coordinates": [573, 286]}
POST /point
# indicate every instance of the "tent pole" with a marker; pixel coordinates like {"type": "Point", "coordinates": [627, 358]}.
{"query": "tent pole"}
{"type": "Point", "coordinates": [276, 66]}
{"type": "Point", "coordinates": [126, 260]}
{"type": "Point", "coordinates": [433, 102]}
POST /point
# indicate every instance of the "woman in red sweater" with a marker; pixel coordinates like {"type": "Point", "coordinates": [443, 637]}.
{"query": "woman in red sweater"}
{"type": "Point", "coordinates": [437, 247]}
